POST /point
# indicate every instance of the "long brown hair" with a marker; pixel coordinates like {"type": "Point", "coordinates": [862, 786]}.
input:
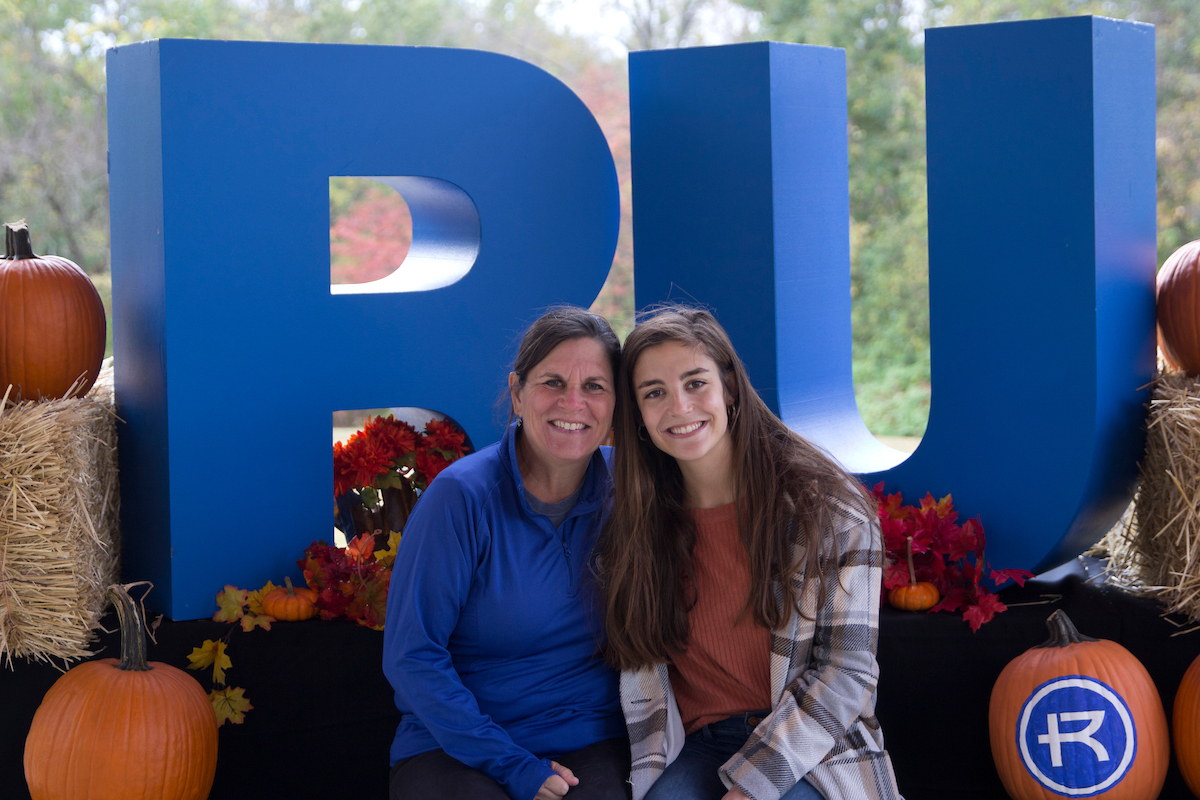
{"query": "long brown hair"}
{"type": "Point", "coordinates": [785, 487]}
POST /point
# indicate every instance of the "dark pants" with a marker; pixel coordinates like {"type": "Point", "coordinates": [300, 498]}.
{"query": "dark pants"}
{"type": "Point", "coordinates": [694, 774]}
{"type": "Point", "coordinates": [602, 769]}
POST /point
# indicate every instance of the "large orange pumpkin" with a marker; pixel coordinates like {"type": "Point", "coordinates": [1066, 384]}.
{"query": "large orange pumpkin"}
{"type": "Point", "coordinates": [1178, 295]}
{"type": "Point", "coordinates": [127, 730]}
{"type": "Point", "coordinates": [1185, 726]}
{"type": "Point", "coordinates": [51, 323]}
{"type": "Point", "coordinates": [1078, 717]}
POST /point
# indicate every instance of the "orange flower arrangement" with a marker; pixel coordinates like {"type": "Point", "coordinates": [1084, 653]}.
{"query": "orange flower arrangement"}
{"type": "Point", "coordinates": [379, 473]}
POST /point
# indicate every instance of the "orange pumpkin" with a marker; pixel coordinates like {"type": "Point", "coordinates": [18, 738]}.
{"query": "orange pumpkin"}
{"type": "Point", "coordinates": [1080, 717]}
{"type": "Point", "coordinates": [290, 604]}
{"type": "Point", "coordinates": [1178, 296]}
{"type": "Point", "coordinates": [1185, 726]}
{"type": "Point", "coordinates": [51, 323]}
{"type": "Point", "coordinates": [127, 729]}
{"type": "Point", "coordinates": [916, 596]}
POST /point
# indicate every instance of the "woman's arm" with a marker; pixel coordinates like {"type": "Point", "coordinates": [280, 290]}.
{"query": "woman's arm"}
{"type": "Point", "coordinates": [837, 687]}
{"type": "Point", "coordinates": [431, 580]}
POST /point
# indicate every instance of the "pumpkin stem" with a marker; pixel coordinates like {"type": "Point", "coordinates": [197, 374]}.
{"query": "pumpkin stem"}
{"type": "Point", "coordinates": [1063, 632]}
{"type": "Point", "coordinates": [133, 634]}
{"type": "Point", "coordinates": [912, 572]}
{"type": "Point", "coordinates": [17, 245]}
{"type": "Point", "coordinates": [291, 589]}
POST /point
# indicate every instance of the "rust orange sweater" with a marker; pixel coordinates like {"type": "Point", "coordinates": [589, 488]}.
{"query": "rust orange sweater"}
{"type": "Point", "coordinates": [727, 667]}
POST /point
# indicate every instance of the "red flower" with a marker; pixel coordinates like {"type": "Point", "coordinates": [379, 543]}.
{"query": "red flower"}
{"type": "Point", "coordinates": [429, 464]}
{"type": "Point", "coordinates": [366, 459]}
{"type": "Point", "coordinates": [396, 437]}
{"type": "Point", "coordinates": [445, 435]}
{"type": "Point", "coordinates": [343, 480]}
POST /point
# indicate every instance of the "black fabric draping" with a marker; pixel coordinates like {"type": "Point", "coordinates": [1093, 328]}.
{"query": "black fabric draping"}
{"type": "Point", "coordinates": [321, 726]}
{"type": "Point", "coordinates": [323, 716]}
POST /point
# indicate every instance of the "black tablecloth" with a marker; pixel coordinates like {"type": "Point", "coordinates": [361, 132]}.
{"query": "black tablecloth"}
{"type": "Point", "coordinates": [323, 715]}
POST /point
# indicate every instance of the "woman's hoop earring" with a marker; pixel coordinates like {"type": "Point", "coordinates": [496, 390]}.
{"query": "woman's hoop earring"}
{"type": "Point", "coordinates": [642, 433]}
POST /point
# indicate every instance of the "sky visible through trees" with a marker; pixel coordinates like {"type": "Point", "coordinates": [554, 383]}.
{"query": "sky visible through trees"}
{"type": "Point", "coordinates": [53, 137]}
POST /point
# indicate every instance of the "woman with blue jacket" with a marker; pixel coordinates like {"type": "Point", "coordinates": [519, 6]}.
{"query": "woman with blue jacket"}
{"type": "Point", "coordinates": [491, 636]}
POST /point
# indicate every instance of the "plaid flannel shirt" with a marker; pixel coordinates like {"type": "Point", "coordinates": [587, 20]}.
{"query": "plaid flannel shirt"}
{"type": "Point", "coordinates": [823, 679]}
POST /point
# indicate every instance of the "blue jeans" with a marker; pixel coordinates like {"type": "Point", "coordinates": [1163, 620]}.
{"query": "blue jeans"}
{"type": "Point", "coordinates": [693, 775]}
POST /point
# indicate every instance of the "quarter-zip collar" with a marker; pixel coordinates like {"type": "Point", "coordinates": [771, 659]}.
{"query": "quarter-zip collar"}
{"type": "Point", "coordinates": [592, 496]}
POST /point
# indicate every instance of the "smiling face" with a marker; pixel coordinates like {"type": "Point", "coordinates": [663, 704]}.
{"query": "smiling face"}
{"type": "Point", "coordinates": [682, 400]}
{"type": "Point", "coordinates": [566, 405]}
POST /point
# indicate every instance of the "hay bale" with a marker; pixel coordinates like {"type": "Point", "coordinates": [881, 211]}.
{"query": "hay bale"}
{"type": "Point", "coordinates": [59, 542]}
{"type": "Point", "coordinates": [1158, 552]}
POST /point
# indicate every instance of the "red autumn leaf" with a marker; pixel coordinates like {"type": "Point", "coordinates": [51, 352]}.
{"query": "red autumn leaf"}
{"type": "Point", "coordinates": [895, 574]}
{"type": "Point", "coordinates": [332, 603]}
{"type": "Point", "coordinates": [943, 508]}
{"type": "Point", "coordinates": [953, 600]}
{"type": "Point", "coordinates": [987, 607]}
{"type": "Point", "coordinates": [1000, 576]}
{"type": "Point", "coordinates": [360, 549]}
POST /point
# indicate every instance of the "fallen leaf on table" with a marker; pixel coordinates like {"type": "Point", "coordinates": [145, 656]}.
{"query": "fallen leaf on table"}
{"type": "Point", "coordinates": [230, 704]}
{"type": "Point", "coordinates": [229, 604]}
{"type": "Point", "coordinates": [211, 654]}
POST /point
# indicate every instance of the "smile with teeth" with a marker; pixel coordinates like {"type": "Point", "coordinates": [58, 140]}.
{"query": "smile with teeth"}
{"type": "Point", "coordinates": [683, 429]}
{"type": "Point", "coordinates": [568, 426]}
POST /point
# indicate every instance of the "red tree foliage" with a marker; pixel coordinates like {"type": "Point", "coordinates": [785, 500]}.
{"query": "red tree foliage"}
{"type": "Point", "coordinates": [372, 238]}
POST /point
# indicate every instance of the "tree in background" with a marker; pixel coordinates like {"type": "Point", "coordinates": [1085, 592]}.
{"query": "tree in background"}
{"type": "Point", "coordinates": [370, 233]}
{"type": "Point", "coordinates": [889, 273]}
{"type": "Point", "coordinates": [52, 122]}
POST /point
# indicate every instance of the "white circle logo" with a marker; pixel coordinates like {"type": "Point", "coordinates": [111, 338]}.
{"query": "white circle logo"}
{"type": "Point", "coordinates": [1076, 736]}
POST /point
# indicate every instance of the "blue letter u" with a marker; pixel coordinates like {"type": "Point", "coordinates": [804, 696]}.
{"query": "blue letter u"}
{"type": "Point", "coordinates": [1042, 256]}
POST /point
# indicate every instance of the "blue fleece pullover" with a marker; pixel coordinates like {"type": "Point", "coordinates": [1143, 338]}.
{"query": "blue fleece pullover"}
{"type": "Point", "coordinates": [491, 631]}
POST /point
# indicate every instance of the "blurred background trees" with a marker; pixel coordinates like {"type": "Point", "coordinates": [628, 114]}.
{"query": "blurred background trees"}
{"type": "Point", "coordinates": [53, 149]}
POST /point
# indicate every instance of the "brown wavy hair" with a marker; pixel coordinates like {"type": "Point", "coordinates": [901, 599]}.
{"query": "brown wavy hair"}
{"type": "Point", "coordinates": [785, 487]}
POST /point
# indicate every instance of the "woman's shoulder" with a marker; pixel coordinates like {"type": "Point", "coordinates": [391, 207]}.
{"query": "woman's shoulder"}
{"type": "Point", "coordinates": [470, 479]}
{"type": "Point", "coordinates": [850, 508]}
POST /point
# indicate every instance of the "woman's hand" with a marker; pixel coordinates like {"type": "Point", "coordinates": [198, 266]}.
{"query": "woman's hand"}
{"type": "Point", "coordinates": [556, 785]}
{"type": "Point", "coordinates": [735, 794]}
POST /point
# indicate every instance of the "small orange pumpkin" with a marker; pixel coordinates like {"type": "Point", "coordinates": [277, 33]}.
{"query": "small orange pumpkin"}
{"type": "Point", "coordinates": [290, 604]}
{"type": "Point", "coordinates": [1185, 725]}
{"type": "Point", "coordinates": [132, 729]}
{"type": "Point", "coordinates": [1080, 717]}
{"type": "Point", "coordinates": [916, 596]}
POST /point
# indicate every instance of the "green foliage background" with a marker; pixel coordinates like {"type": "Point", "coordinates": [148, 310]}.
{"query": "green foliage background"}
{"type": "Point", "coordinates": [53, 150]}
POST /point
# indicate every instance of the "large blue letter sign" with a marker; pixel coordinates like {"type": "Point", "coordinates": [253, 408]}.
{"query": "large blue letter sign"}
{"type": "Point", "coordinates": [1042, 256]}
{"type": "Point", "coordinates": [231, 348]}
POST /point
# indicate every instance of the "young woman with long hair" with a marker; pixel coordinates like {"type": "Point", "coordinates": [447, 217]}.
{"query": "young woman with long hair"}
{"type": "Point", "coordinates": [741, 572]}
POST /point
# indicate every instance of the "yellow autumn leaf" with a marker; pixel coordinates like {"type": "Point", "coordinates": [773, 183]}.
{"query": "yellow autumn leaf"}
{"type": "Point", "coordinates": [229, 604]}
{"type": "Point", "coordinates": [211, 654]}
{"type": "Point", "coordinates": [254, 601]}
{"type": "Point", "coordinates": [388, 557]}
{"type": "Point", "coordinates": [252, 621]}
{"type": "Point", "coordinates": [230, 705]}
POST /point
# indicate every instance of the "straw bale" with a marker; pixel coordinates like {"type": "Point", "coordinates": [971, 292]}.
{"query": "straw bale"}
{"type": "Point", "coordinates": [59, 542]}
{"type": "Point", "coordinates": [1157, 552]}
